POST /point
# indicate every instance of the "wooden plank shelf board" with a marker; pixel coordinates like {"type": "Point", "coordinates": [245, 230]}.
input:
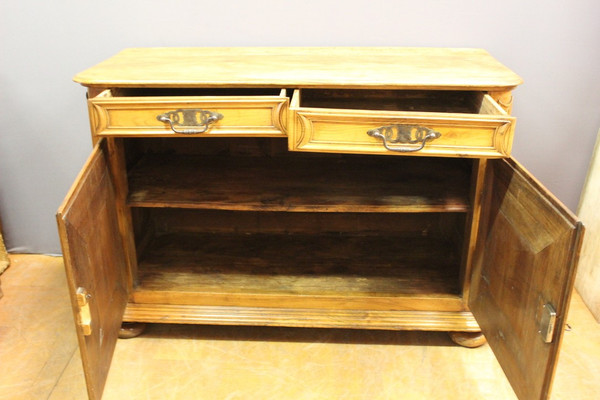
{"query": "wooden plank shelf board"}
{"type": "Point", "coordinates": [324, 183]}
{"type": "Point", "coordinates": [350, 270]}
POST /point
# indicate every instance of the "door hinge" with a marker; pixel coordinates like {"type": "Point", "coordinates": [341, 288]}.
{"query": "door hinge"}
{"type": "Point", "coordinates": [548, 322]}
{"type": "Point", "coordinates": [84, 316]}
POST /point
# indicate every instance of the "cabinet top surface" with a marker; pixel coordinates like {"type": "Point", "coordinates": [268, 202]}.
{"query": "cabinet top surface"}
{"type": "Point", "coordinates": [337, 67]}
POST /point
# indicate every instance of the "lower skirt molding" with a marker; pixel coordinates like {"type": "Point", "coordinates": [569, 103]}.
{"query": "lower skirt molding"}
{"type": "Point", "coordinates": [294, 317]}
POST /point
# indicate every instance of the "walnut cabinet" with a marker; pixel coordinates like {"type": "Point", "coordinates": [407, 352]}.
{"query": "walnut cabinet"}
{"type": "Point", "coordinates": [367, 188]}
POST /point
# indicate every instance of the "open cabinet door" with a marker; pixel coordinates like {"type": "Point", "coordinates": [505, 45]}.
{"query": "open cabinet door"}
{"type": "Point", "coordinates": [95, 266]}
{"type": "Point", "coordinates": [524, 267]}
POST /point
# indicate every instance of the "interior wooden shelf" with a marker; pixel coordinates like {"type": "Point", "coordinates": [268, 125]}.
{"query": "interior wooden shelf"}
{"type": "Point", "coordinates": [327, 183]}
{"type": "Point", "coordinates": [306, 270]}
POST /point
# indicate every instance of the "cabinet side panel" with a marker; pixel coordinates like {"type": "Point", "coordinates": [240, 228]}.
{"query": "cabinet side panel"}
{"type": "Point", "coordinates": [118, 168]}
{"type": "Point", "coordinates": [472, 224]}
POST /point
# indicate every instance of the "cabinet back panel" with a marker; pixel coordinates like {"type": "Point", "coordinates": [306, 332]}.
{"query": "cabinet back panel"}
{"type": "Point", "coordinates": [161, 92]}
{"type": "Point", "coordinates": [205, 146]}
{"type": "Point", "coordinates": [263, 175]}
{"type": "Point", "coordinates": [173, 220]}
{"type": "Point", "coordinates": [393, 100]}
{"type": "Point", "coordinates": [299, 270]}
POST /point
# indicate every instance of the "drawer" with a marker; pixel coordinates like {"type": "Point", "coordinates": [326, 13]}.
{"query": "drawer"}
{"type": "Point", "coordinates": [185, 112]}
{"type": "Point", "coordinates": [431, 123]}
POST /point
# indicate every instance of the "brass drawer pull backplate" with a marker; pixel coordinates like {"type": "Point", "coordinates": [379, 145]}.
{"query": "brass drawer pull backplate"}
{"type": "Point", "coordinates": [190, 117]}
{"type": "Point", "coordinates": [405, 134]}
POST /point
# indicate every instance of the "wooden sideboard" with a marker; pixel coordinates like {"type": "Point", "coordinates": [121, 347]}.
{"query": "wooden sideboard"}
{"type": "Point", "coordinates": [368, 188]}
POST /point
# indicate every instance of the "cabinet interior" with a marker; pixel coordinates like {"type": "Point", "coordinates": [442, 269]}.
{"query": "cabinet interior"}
{"type": "Point", "coordinates": [439, 101]}
{"type": "Point", "coordinates": [444, 101]}
{"type": "Point", "coordinates": [216, 219]}
{"type": "Point", "coordinates": [162, 92]}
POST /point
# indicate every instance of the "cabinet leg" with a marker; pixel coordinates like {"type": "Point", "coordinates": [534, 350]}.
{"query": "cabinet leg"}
{"type": "Point", "coordinates": [468, 339]}
{"type": "Point", "coordinates": [131, 329]}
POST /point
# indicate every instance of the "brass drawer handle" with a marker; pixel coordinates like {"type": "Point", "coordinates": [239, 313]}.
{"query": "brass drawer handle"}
{"type": "Point", "coordinates": [190, 117]}
{"type": "Point", "coordinates": [406, 134]}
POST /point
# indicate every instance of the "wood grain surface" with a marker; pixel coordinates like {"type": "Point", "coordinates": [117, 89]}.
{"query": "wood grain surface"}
{"type": "Point", "coordinates": [134, 112]}
{"type": "Point", "coordinates": [349, 67]}
{"type": "Point", "coordinates": [528, 244]}
{"type": "Point", "coordinates": [320, 184]}
{"type": "Point", "coordinates": [342, 271]}
{"type": "Point", "coordinates": [95, 261]}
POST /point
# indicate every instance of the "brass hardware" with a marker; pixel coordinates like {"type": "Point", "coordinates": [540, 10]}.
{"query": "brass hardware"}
{"type": "Point", "coordinates": [548, 322]}
{"type": "Point", "coordinates": [190, 117]}
{"type": "Point", "coordinates": [85, 317]}
{"type": "Point", "coordinates": [406, 134]}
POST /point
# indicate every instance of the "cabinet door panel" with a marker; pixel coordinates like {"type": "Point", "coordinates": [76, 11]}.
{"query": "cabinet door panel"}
{"type": "Point", "coordinates": [525, 261]}
{"type": "Point", "coordinates": [95, 266]}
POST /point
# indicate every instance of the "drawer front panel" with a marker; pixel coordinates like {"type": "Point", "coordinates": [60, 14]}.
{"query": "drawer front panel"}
{"type": "Point", "coordinates": [138, 116]}
{"type": "Point", "coordinates": [457, 134]}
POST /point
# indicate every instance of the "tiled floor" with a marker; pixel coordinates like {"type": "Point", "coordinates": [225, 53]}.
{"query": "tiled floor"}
{"type": "Point", "coordinates": [39, 358]}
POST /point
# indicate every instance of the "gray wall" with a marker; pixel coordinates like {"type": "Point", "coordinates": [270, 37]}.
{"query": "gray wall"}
{"type": "Point", "coordinates": [44, 133]}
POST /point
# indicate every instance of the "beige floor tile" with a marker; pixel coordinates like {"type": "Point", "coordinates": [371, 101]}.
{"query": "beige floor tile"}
{"type": "Point", "coordinates": [37, 338]}
{"type": "Point", "coordinates": [37, 341]}
{"type": "Point", "coordinates": [276, 363]}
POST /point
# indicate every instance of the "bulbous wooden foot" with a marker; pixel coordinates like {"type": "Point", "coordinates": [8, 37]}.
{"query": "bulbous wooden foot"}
{"type": "Point", "coordinates": [131, 329]}
{"type": "Point", "coordinates": [468, 339]}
